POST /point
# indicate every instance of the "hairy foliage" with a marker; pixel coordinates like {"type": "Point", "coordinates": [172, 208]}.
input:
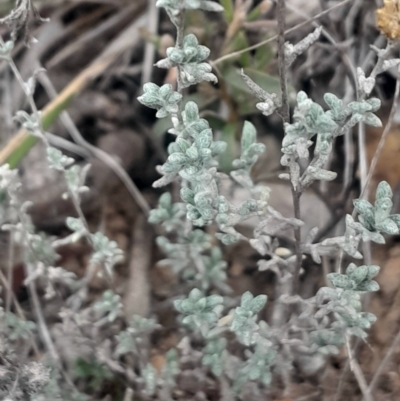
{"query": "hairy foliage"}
{"type": "Point", "coordinates": [221, 334]}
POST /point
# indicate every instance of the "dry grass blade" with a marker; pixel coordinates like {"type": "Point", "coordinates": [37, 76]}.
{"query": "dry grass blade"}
{"type": "Point", "coordinates": [148, 59]}
{"type": "Point", "coordinates": [20, 144]}
{"type": "Point", "coordinates": [120, 19]}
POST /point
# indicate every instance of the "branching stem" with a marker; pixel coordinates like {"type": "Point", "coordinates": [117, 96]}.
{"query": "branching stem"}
{"type": "Point", "coordinates": [355, 368]}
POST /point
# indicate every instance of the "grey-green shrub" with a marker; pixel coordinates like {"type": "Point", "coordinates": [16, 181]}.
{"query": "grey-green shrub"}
{"type": "Point", "coordinates": [334, 314]}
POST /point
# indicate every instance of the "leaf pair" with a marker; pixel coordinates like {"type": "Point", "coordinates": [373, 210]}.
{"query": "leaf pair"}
{"type": "Point", "coordinates": [357, 278]}
{"type": "Point", "coordinates": [377, 218]}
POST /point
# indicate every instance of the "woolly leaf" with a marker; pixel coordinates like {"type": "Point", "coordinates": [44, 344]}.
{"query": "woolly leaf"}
{"type": "Point", "coordinates": [372, 119]}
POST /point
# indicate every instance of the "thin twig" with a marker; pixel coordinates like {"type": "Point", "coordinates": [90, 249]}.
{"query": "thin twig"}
{"type": "Point", "coordinates": [284, 110]}
{"type": "Point", "coordinates": [18, 309]}
{"type": "Point", "coordinates": [385, 133]}
{"type": "Point", "coordinates": [361, 131]}
{"type": "Point", "coordinates": [381, 59]}
{"type": "Point", "coordinates": [10, 269]}
{"type": "Point", "coordinates": [76, 202]}
{"type": "Point", "coordinates": [98, 153]}
{"type": "Point", "coordinates": [65, 144]}
{"type": "Point", "coordinates": [343, 55]}
{"type": "Point", "coordinates": [180, 31]}
{"type": "Point", "coordinates": [28, 93]}
{"type": "Point", "coordinates": [297, 235]}
{"type": "Point", "coordinates": [45, 334]}
{"type": "Point", "coordinates": [348, 162]}
{"type": "Point", "coordinates": [363, 163]}
{"type": "Point", "coordinates": [355, 368]}
{"type": "Point", "coordinates": [152, 26]}
{"type": "Point", "coordinates": [273, 38]}
{"type": "Point", "coordinates": [367, 63]}
{"type": "Point", "coordinates": [28, 267]}
{"type": "Point", "coordinates": [341, 381]}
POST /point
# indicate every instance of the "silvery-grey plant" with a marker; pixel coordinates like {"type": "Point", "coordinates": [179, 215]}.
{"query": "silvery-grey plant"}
{"type": "Point", "coordinates": [83, 327]}
{"type": "Point", "coordinates": [24, 380]}
{"type": "Point", "coordinates": [315, 327]}
{"type": "Point", "coordinates": [304, 331]}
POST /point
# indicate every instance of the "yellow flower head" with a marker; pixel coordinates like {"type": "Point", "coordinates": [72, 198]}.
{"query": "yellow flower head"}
{"type": "Point", "coordinates": [388, 19]}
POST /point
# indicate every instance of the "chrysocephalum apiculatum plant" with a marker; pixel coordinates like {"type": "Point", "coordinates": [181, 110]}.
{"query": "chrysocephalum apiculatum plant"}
{"type": "Point", "coordinates": [26, 380]}
{"type": "Point", "coordinates": [21, 379]}
{"type": "Point", "coordinates": [312, 328]}
{"type": "Point", "coordinates": [305, 333]}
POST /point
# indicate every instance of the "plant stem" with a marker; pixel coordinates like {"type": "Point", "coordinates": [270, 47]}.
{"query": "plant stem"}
{"type": "Point", "coordinates": [180, 30]}
{"type": "Point", "coordinates": [384, 136]}
{"type": "Point", "coordinates": [284, 111]}
{"type": "Point", "coordinates": [285, 114]}
{"type": "Point", "coordinates": [96, 152]}
{"type": "Point", "coordinates": [355, 368]}
{"type": "Point", "coordinates": [296, 194]}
